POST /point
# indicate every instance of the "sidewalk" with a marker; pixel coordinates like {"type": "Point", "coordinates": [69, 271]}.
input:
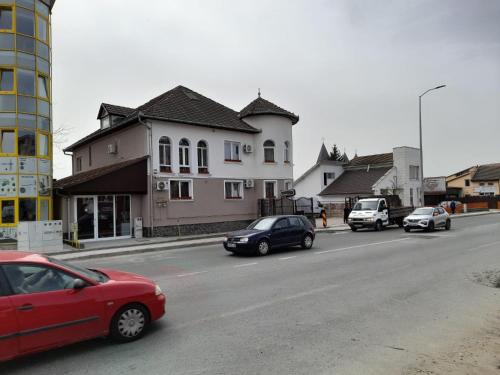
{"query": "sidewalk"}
{"type": "Point", "coordinates": [100, 249]}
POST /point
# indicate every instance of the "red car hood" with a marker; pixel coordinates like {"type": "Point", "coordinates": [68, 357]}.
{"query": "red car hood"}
{"type": "Point", "coordinates": [125, 276]}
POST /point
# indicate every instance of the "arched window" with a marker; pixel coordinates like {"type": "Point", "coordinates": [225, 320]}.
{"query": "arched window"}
{"type": "Point", "coordinates": [269, 151]}
{"type": "Point", "coordinates": [202, 157]}
{"type": "Point", "coordinates": [286, 156]}
{"type": "Point", "coordinates": [184, 155]}
{"type": "Point", "coordinates": [165, 155]}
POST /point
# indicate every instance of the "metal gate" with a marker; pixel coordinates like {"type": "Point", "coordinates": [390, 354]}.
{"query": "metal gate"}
{"type": "Point", "coordinates": [287, 206]}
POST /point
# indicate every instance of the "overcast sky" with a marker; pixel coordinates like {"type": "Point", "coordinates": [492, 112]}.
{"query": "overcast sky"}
{"type": "Point", "coordinates": [352, 70]}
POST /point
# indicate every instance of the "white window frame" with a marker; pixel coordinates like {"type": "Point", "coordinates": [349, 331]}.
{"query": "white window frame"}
{"type": "Point", "coordinates": [105, 122]}
{"type": "Point", "coordinates": [162, 150]}
{"type": "Point", "coordinates": [233, 151]}
{"type": "Point", "coordinates": [273, 148]}
{"type": "Point", "coordinates": [275, 188]}
{"type": "Point", "coordinates": [286, 152]}
{"type": "Point", "coordinates": [204, 161]}
{"type": "Point", "coordinates": [289, 183]}
{"type": "Point", "coordinates": [184, 152]}
{"type": "Point", "coordinates": [241, 189]}
{"type": "Point", "coordinates": [189, 180]}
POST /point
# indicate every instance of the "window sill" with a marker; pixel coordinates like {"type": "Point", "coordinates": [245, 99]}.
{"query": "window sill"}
{"type": "Point", "coordinates": [270, 162]}
{"type": "Point", "coordinates": [233, 199]}
{"type": "Point", "coordinates": [181, 199]}
{"type": "Point", "coordinates": [232, 161]}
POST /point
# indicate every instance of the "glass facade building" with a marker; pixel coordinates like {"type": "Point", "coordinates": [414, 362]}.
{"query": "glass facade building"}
{"type": "Point", "coordinates": [25, 113]}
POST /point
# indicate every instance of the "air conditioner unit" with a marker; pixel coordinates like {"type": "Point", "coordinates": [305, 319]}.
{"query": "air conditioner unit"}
{"type": "Point", "coordinates": [248, 149]}
{"type": "Point", "coordinates": [112, 148]}
{"type": "Point", "coordinates": [161, 185]}
{"type": "Point", "coordinates": [249, 184]}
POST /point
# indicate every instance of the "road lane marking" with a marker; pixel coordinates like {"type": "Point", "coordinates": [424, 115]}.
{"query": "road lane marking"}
{"type": "Point", "coordinates": [286, 258]}
{"type": "Point", "coordinates": [358, 246]}
{"type": "Point", "coordinates": [485, 245]}
{"type": "Point", "coordinates": [191, 273]}
{"type": "Point", "coordinates": [245, 265]}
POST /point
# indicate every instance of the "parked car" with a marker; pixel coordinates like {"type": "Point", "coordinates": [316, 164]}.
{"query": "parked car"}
{"type": "Point", "coordinates": [271, 232]}
{"type": "Point", "coordinates": [47, 303]}
{"type": "Point", "coordinates": [428, 218]}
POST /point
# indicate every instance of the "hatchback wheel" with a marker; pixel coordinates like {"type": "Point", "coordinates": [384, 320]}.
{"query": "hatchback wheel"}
{"type": "Point", "coordinates": [448, 224]}
{"type": "Point", "coordinates": [430, 227]}
{"type": "Point", "coordinates": [263, 247]}
{"type": "Point", "coordinates": [307, 241]}
{"type": "Point", "coordinates": [129, 323]}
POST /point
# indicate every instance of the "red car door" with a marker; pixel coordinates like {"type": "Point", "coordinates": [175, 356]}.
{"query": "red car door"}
{"type": "Point", "coordinates": [8, 324]}
{"type": "Point", "coordinates": [49, 311]}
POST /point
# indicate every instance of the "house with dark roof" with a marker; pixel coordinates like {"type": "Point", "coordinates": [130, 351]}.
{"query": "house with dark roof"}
{"type": "Point", "coordinates": [479, 180]}
{"type": "Point", "coordinates": [397, 172]}
{"type": "Point", "coordinates": [181, 162]}
{"type": "Point", "coordinates": [326, 169]}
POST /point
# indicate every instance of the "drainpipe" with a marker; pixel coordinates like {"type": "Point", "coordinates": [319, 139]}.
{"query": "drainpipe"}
{"type": "Point", "coordinates": [150, 152]}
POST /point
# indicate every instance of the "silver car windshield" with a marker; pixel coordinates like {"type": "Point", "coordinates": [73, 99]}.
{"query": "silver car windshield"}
{"type": "Point", "coordinates": [423, 211]}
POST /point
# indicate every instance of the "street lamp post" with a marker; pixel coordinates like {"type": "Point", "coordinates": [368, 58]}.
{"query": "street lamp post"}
{"type": "Point", "coordinates": [422, 195]}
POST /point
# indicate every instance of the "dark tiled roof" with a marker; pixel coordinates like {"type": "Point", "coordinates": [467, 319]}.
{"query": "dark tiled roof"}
{"type": "Point", "coordinates": [355, 182]}
{"type": "Point", "coordinates": [487, 172]}
{"type": "Point", "coordinates": [115, 110]}
{"type": "Point", "coordinates": [180, 105]}
{"type": "Point", "coordinates": [372, 159]}
{"type": "Point", "coordinates": [86, 176]}
{"type": "Point", "coordinates": [323, 154]}
{"type": "Point", "coordinates": [261, 106]}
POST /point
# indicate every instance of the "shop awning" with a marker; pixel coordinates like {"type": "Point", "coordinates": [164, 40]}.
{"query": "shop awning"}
{"type": "Point", "coordinates": [127, 177]}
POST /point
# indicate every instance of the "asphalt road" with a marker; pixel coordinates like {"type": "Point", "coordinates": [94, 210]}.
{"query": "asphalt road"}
{"type": "Point", "coordinates": [357, 303]}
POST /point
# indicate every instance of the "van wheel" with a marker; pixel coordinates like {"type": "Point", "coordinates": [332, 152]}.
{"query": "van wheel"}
{"type": "Point", "coordinates": [354, 229]}
{"type": "Point", "coordinates": [407, 229]}
{"type": "Point", "coordinates": [307, 242]}
{"type": "Point", "coordinates": [378, 226]}
{"type": "Point", "coordinates": [448, 224]}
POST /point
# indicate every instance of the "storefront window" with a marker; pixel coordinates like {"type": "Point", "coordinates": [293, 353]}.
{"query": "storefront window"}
{"type": "Point", "coordinates": [105, 216]}
{"type": "Point", "coordinates": [25, 22]}
{"type": "Point", "coordinates": [43, 144]}
{"type": "Point", "coordinates": [27, 209]}
{"type": "Point", "coordinates": [26, 82]}
{"type": "Point", "coordinates": [5, 18]}
{"type": "Point", "coordinates": [122, 215]}
{"type": "Point", "coordinates": [8, 141]}
{"type": "Point", "coordinates": [44, 209]}
{"type": "Point", "coordinates": [8, 212]}
{"type": "Point", "coordinates": [26, 143]}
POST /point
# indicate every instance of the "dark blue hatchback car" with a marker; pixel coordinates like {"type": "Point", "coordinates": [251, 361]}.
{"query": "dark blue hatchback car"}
{"type": "Point", "coordinates": [271, 232]}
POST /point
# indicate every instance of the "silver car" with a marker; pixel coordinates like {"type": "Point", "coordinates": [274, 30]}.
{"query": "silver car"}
{"type": "Point", "coordinates": [428, 218]}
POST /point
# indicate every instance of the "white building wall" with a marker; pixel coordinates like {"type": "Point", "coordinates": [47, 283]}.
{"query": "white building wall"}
{"type": "Point", "coordinates": [252, 165]}
{"type": "Point", "coordinates": [313, 184]}
{"type": "Point", "coordinates": [404, 157]}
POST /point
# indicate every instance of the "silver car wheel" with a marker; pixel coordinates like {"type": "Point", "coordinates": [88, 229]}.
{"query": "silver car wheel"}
{"type": "Point", "coordinates": [308, 242]}
{"type": "Point", "coordinates": [263, 248]}
{"type": "Point", "coordinates": [131, 323]}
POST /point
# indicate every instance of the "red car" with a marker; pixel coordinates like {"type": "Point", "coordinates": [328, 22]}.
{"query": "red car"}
{"type": "Point", "coordinates": [46, 303]}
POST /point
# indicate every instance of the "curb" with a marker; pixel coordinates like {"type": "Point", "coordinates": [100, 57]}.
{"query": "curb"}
{"type": "Point", "coordinates": [135, 251]}
{"type": "Point", "coordinates": [111, 247]}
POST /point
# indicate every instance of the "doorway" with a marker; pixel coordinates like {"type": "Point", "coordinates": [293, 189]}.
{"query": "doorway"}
{"type": "Point", "coordinates": [103, 216]}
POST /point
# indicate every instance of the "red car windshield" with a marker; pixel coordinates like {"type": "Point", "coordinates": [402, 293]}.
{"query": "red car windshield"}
{"type": "Point", "coordinates": [90, 274]}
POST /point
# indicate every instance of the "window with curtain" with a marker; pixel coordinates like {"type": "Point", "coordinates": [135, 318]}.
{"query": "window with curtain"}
{"type": "Point", "coordinates": [184, 155]}
{"type": "Point", "coordinates": [269, 151]}
{"type": "Point", "coordinates": [165, 156]}
{"type": "Point", "coordinates": [286, 156]}
{"type": "Point", "coordinates": [202, 157]}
